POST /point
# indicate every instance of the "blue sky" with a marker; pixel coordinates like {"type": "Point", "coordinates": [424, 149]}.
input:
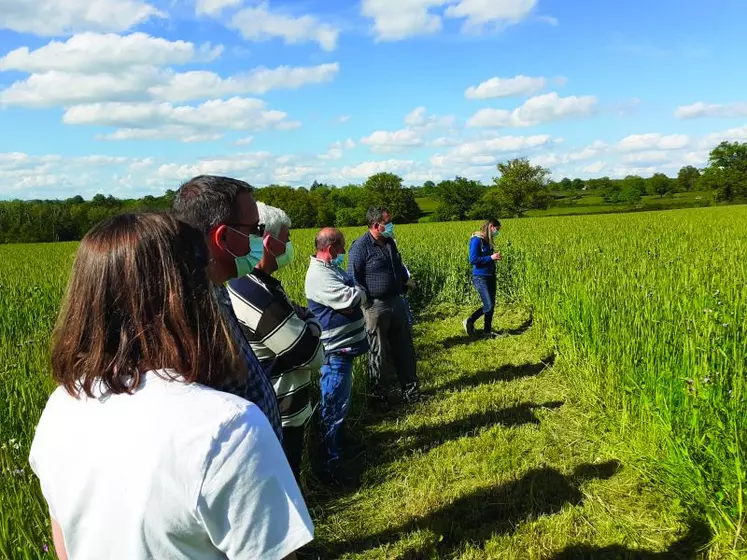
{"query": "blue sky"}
{"type": "Point", "coordinates": [132, 97]}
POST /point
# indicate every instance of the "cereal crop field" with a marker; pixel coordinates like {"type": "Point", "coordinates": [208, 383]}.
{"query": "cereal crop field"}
{"type": "Point", "coordinates": [646, 313]}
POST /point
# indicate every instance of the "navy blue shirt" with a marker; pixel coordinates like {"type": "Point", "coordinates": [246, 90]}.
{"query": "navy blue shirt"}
{"type": "Point", "coordinates": [378, 269]}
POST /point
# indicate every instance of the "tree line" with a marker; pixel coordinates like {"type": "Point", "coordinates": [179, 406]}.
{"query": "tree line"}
{"type": "Point", "coordinates": [520, 187]}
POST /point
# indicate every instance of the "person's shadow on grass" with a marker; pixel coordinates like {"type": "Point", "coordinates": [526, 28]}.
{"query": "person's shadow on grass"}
{"type": "Point", "coordinates": [685, 548]}
{"type": "Point", "coordinates": [475, 518]}
{"type": "Point", "coordinates": [503, 373]}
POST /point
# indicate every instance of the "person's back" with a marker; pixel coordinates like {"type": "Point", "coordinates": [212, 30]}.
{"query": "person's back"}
{"type": "Point", "coordinates": [137, 457]}
{"type": "Point", "coordinates": [161, 474]}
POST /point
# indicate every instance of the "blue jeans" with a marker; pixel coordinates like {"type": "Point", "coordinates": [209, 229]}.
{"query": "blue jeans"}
{"type": "Point", "coordinates": [485, 286]}
{"type": "Point", "coordinates": [336, 384]}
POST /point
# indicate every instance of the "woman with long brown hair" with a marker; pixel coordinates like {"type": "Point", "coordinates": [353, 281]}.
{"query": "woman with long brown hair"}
{"type": "Point", "coordinates": [137, 456]}
{"type": "Point", "coordinates": [482, 257]}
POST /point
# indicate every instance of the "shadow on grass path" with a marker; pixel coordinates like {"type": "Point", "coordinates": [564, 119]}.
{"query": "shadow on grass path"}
{"type": "Point", "coordinates": [498, 463]}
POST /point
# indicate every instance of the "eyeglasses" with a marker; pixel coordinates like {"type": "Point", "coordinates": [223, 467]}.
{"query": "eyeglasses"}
{"type": "Point", "coordinates": [254, 229]}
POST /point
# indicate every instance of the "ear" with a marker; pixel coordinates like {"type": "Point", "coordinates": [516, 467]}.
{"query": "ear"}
{"type": "Point", "coordinates": [217, 237]}
{"type": "Point", "coordinates": [273, 246]}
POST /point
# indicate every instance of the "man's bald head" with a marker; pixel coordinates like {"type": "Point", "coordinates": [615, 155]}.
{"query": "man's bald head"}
{"type": "Point", "coordinates": [329, 237]}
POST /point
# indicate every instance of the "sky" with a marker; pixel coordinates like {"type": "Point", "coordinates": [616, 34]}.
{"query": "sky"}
{"type": "Point", "coordinates": [134, 97]}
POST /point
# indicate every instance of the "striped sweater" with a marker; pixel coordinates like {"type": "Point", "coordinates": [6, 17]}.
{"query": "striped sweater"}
{"type": "Point", "coordinates": [336, 301]}
{"type": "Point", "coordinates": [287, 346]}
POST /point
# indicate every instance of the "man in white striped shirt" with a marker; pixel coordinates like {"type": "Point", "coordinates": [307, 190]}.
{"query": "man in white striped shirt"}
{"type": "Point", "coordinates": [284, 336]}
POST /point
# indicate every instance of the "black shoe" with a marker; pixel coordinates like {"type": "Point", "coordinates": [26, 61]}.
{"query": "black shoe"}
{"type": "Point", "coordinates": [469, 327]}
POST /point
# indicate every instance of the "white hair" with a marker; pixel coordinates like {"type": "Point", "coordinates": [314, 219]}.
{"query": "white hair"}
{"type": "Point", "coordinates": [273, 218]}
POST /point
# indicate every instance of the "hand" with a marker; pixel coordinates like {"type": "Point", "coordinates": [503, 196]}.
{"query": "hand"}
{"type": "Point", "coordinates": [496, 256]}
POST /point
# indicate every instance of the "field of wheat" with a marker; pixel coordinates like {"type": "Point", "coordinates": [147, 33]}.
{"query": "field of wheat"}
{"type": "Point", "coordinates": [650, 310]}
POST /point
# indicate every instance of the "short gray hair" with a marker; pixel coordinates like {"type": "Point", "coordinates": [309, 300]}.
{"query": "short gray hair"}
{"type": "Point", "coordinates": [273, 218]}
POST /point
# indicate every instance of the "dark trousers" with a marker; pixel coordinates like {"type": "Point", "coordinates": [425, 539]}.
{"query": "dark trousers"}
{"type": "Point", "coordinates": [485, 286]}
{"type": "Point", "coordinates": [293, 446]}
{"type": "Point", "coordinates": [392, 350]}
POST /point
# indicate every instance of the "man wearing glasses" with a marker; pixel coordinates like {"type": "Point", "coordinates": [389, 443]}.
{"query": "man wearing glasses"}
{"type": "Point", "coordinates": [224, 209]}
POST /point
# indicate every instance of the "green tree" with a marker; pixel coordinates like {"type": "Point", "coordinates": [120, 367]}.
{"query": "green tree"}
{"type": "Point", "coordinates": [456, 197]}
{"type": "Point", "coordinates": [687, 178]}
{"type": "Point", "coordinates": [660, 184]}
{"type": "Point", "coordinates": [726, 173]}
{"type": "Point", "coordinates": [386, 189]}
{"type": "Point", "coordinates": [521, 187]}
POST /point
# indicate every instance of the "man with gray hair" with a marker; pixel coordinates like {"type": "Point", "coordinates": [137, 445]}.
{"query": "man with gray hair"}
{"type": "Point", "coordinates": [283, 335]}
{"type": "Point", "coordinates": [336, 301]}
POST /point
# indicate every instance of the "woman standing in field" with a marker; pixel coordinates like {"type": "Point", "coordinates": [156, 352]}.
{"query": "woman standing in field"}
{"type": "Point", "coordinates": [137, 456]}
{"type": "Point", "coordinates": [482, 257]}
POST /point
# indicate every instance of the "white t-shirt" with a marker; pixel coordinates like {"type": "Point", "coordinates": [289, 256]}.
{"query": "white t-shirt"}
{"type": "Point", "coordinates": [174, 471]}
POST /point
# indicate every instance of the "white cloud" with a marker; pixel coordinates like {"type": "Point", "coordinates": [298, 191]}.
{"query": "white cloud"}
{"type": "Point", "coordinates": [367, 168]}
{"type": "Point", "coordinates": [481, 13]}
{"type": "Point", "coordinates": [653, 141]}
{"type": "Point", "coordinates": [56, 17]}
{"type": "Point", "coordinates": [537, 110]}
{"type": "Point", "coordinates": [648, 156]}
{"type": "Point", "coordinates": [394, 20]}
{"type": "Point", "coordinates": [214, 7]}
{"type": "Point", "coordinates": [244, 141]}
{"type": "Point", "coordinates": [385, 142]}
{"type": "Point", "coordinates": [506, 87]}
{"type": "Point", "coordinates": [594, 168]}
{"type": "Point", "coordinates": [711, 110]}
{"type": "Point", "coordinates": [419, 123]}
{"type": "Point", "coordinates": [200, 84]}
{"type": "Point", "coordinates": [399, 19]}
{"type": "Point", "coordinates": [61, 88]}
{"type": "Point", "coordinates": [92, 53]}
{"type": "Point", "coordinates": [337, 150]}
{"type": "Point", "coordinates": [342, 119]}
{"type": "Point", "coordinates": [712, 140]}
{"type": "Point", "coordinates": [207, 121]}
{"type": "Point", "coordinates": [488, 151]}
{"type": "Point", "coordinates": [258, 23]}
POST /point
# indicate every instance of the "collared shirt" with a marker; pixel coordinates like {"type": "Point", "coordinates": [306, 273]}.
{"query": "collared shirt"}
{"type": "Point", "coordinates": [377, 269]}
{"type": "Point", "coordinates": [256, 387]}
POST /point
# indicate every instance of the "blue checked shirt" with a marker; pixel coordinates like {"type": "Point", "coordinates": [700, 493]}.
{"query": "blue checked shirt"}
{"type": "Point", "coordinates": [378, 270]}
{"type": "Point", "coordinates": [256, 387]}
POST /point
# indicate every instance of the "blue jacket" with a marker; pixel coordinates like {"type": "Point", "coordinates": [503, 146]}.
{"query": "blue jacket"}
{"type": "Point", "coordinates": [479, 257]}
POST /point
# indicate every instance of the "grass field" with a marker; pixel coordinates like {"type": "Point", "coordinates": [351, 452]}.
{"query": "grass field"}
{"type": "Point", "coordinates": [644, 315]}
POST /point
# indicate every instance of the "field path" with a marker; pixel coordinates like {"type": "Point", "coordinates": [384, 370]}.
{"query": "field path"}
{"type": "Point", "coordinates": [500, 462]}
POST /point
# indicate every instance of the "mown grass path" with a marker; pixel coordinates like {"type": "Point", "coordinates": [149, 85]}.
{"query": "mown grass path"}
{"type": "Point", "coordinates": [500, 462]}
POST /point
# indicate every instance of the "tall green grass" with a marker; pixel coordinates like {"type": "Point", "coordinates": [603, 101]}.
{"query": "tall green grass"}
{"type": "Point", "coordinates": [648, 309]}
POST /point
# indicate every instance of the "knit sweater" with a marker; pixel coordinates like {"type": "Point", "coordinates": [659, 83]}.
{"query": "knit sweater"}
{"type": "Point", "coordinates": [335, 300]}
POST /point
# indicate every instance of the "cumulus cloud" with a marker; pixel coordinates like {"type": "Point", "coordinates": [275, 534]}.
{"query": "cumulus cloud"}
{"type": "Point", "coordinates": [506, 87]}
{"type": "Point", "coordinates": [199, 84]}
{"type": "Point", "coordinates": [337, 150]}
{"type": "Point", "coordinates": [53, 17]}
{"type": "Point", "coordinates": [488, 151]}
{"type": "Point", "coordinates": [259, 23]}
{"type": "Point", "coordinates": [207, 121]}
{"type": "Point", "coordinates": [537, 110]}
{"type": "Point", "coordinates": [419, 123]}
{"type": "Point", "coordinates": [93, 53]}
{"type": "Point", "coordinates": [711, 110]}
{"type": "Point", "coordinates": [394, 20]}
{"type": "Point", "coordinates": [653, 141]}
{"type": "Point", "coordinates": [214, 7]}
{"type": "Point", "coordinates": [481, 13]}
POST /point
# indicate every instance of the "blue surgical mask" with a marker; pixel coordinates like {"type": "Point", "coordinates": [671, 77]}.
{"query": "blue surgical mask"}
{"type": "Point", "coordinates": [388, 230]}
{"type": "Point", "coordinates": [286, 258]}
{"type": "Point", "coordinates": [245, 264]}
{"type": "Point", "coordinates": [338, 260]}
